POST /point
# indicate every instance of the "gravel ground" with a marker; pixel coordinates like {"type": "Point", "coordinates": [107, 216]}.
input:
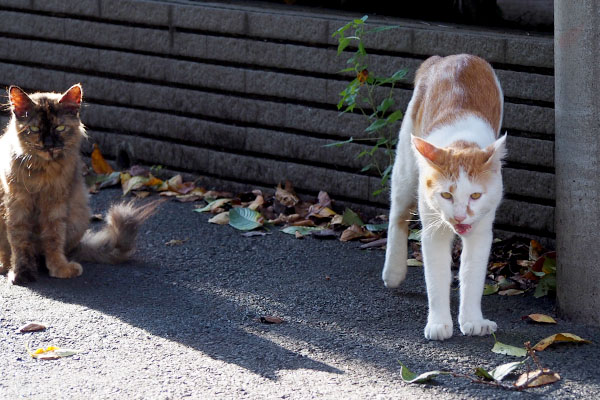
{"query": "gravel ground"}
{"type": "Point", "coordinates": [182, 321]}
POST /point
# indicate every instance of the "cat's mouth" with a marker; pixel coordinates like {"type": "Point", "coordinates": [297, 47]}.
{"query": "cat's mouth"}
{"type": "Point", "coordinates": [50, 154]}
{"type": "Point", "coordinates": [462, 229]}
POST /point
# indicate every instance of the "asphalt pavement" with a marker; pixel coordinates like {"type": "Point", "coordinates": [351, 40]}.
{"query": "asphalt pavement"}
{"type": "Point", "coordinates": [184, 321]}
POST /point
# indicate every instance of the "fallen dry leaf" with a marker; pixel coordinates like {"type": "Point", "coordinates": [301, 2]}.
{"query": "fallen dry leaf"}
{"type": "Point", "coordinates": [258, 202]}
{"type": "Point", "coordinates": [32, 327]}
{"type": "Point", "coordinates": [355, 232]}
{"type": "Point", "coordinates": [286, 196]}
{"type": "Point", "coordinates": [51, 353]}
{"type": "Point", "coordinates": [220, 219]}
{"type": "Point", "coordinates": [537, 378]}
{"type": "Point", "coordinates": [510, 292]}
{"type": "Point", "coordinates": [298, 235]}
{"type": "Point", "coordinates": [176, 242]}
{"type": "Point", "coordinates": [268, 319]}
{"type": "Point", "coordinates": [559, 338]}
{"type": "Point", "coordinates": [379, 243]}
{"type": "Point", "coordinates": [142, 194]}
{"type": "Point", "coordinates": [542, 318]}
{"type": "Point", "coordinates": [99, 164]}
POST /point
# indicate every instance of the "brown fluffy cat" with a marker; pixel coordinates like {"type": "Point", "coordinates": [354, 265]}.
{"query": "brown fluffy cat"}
{"type": "Point", "coordinates": [44, 212]}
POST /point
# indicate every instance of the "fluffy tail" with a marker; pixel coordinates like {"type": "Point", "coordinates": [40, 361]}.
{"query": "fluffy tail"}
{"type": "Point", "coordinates": [115, 242]}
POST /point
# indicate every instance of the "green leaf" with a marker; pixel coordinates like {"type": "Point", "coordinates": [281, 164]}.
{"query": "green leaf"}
{"type": "Point", "coordinates": [415, 234]}
{"type": "Point", "coordinates": [350, 218]}
{"type": "Point", "coordinates": [378, 191]}
{"type": "Point", "coordinates": [501, 371]}
{"type": "Point", "coordinates": [361, 49]}
{"type": "Point", "coordinates": [385, 104]}
{"type": "Point", "coordinates": [378, 124]}
{"type": "Point", "coordinates": [410, 377]}
{"type": "Point", "coordinates": [366, 167]}
{"type": "Point", "coordinates": [303, 230]}
{"type": "Point", "coordinates": [245, 219]}
{"type": "Point", "coordinates": [481, 372]}
{"type": "Point", "coordinates": [545, 285]}
{"type": "Point", "coordinates": [490, 289]}
{"type": "Point", "coordinates": [507, 349]}
{"type": "Point", "coordinates": [344, 42]}
{"type": "Point", "coordinates": [376, 227]}
{"type": "Point", "coordinates": [398, 75]}
{"type": "Point", "coordinates": [212, 205]}
{"type": "Point", "coordinates": [549, 266]}
{"type": "Point", "coordinates": [395, 116]}
{"type": "Point", "coordinates": [338, 144]}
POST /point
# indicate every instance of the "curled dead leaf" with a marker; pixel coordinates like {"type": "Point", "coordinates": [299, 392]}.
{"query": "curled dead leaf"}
{"type": "Point", "coordinates": [542, 318]}
{"type": "Point", "coordinates": [537, 378]}
{"type": "Point", "coordinates": [258, 202]}
{"type": "Point", "coordinates": [32, 327]}
{"type": "Point", "coordinates": [176, 242]}
{"type": "Point", "coordinates": [559, 338]}
{"type": "Point", "coordinates": [286, 196]}
{"type": "Point", "coordinates": [355, 232]}
{"type": "Point", "coordinates": [268, 319]}
{"type": "Point", "coordinates": [220, 219]}
{"type": "Point", "coordinates": [99, 164]}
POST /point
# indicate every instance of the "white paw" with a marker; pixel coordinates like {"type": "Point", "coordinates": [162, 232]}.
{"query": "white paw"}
{"type": "Point", "coordinates": [393, 279]}
{"type": "Point", "coordinates": [478, 327]}
{"type": "Point", "coordinates": [393, 276]}
{"type": "Point", "coordinates": [437, 331]}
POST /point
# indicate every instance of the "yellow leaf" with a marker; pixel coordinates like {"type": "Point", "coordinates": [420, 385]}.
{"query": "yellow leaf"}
{"type": "Point", "coordinates": [286, 196]}
{"type": "Point", "coordinates": [337, 220]}
{"type": "Point", "coordinates": [413, 262]}
{"type": "Point", "coordinates": [258, 201]}
{"type": "Point", "coordinates": [537, 378]}
{"type": "Point", "coordinates": [220, 219]}
{"type": "Point", "coordinates": [543, 318]}
{"type": "Point", "coordinates": [558, 338]}
{"type": "Point", "coordinates": [99, 164]}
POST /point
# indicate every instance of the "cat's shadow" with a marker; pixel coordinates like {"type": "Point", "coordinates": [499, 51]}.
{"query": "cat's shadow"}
{"type": "Point", "coordinates": [209, 292]}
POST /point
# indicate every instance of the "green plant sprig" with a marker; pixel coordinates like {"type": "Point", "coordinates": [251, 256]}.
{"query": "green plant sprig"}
{"type": "Point", "coordinates": [359, 95]}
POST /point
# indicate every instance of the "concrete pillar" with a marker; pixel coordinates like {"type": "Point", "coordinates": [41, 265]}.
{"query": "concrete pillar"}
{"type": "Point", "coordinates": [577, 157]}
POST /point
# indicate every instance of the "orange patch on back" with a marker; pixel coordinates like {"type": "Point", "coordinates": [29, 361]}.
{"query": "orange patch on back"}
{"type": "Point", "coordinates": [449, 88]}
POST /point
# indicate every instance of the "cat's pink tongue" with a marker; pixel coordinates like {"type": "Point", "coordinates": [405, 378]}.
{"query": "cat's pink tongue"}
{"type": "Point", "coordinates": [461, 229]}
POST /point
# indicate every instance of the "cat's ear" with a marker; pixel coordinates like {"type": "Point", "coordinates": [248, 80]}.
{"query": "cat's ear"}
{"type": "Point", "coordinates": [20, 102]}
{"type": "Point", "coordinates": [71, 99]}
{"type": "Point", "coordinates": [431, 153]}
{"type": "Point", "coordinates": [497, 150]}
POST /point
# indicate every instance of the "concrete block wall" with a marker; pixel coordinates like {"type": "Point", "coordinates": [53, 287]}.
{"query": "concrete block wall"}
{"type": "Point", "coordinates": [244, 93]}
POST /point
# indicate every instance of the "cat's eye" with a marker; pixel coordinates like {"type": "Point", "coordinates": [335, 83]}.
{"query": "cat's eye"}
{"type": "Point", "coordinates": [476, 195]}
{"type": "Point", "coordinates": [60, 128]}
{"type": "Point", "coordinates": [33, 128]}
{"type": "Point", "coordinates": [446, 195]}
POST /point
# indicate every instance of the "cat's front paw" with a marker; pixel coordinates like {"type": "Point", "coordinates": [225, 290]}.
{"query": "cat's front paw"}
{"type": "Point", "coordinates": [393, 274]}
{"type": "Point", "coordinates": [438, 331]}
{"type": "Point", "coordinates": [478, 327]}
{"type": "Point", "coordinates": [22, 277]}
{"type": "Point", "coordinates": [68, 270]}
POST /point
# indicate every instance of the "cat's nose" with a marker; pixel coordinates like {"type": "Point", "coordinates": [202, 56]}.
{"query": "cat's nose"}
{"type": "Point", "coordinates": [460, 218]}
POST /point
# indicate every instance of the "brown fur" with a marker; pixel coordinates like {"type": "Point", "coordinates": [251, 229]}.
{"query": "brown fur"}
{"type": "Point", "coordinates": [44, 212]}
{"type": "Point", "coordinates": [447, 89]}
{"type": "Point", "coordinates": [452, 87]}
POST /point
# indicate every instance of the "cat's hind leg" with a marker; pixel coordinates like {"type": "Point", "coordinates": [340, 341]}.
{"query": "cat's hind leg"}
{"type": "Point", "coordinates": [403, 198]}
{"type": "Point", "coordinates": [473, 267]}
{"type": "Point", "coordinates": [4, 248]}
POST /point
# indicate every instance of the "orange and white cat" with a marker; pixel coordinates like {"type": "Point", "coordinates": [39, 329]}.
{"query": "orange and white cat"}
{"type": "Point", "coordinates": [448, 160]}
